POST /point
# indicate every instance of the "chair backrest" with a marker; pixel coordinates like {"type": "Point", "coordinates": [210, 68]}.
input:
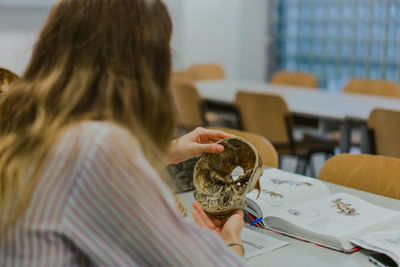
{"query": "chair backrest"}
{"type": "Point", "coordinates": [385, 125]}
{"type": "Point", "coordinates": [6, 79]}
{"type": "Point", "coordinates": [300, 79]}
{"type": "Point", "coordinates": [264, 114]}
{"type": "Point", "coordinates": [206, 72]}
{"type": "Point", "coordinates": [264, 147]}
{"type": "Point", "coordinates": [187, 103]}
{"type": "Point", "coordinates": [181, 77]}
{"type": "Point", "coordinates": [372, 87]}
{"type": "Point", "coordinates": [371, 173]}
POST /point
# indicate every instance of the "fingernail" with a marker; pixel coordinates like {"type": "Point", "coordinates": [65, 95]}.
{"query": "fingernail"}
{"type": "Point", "coordinates": [220, 148]}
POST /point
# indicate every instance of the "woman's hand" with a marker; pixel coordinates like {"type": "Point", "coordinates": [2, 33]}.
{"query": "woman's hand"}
{"type": "Point", "coordinates": [196, 143]}
{"type": "Point", "coordinates": [229, 229]}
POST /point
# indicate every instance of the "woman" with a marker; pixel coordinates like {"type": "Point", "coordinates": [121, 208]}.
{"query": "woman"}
{"type": "Point", "coordinates": [83, 136]}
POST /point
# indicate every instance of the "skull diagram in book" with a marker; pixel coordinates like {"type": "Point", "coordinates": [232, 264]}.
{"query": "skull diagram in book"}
{"type": "Point", "coordinates": [223, 180]}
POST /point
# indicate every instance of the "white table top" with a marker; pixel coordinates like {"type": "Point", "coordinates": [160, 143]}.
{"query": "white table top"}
{"type": "Point", "coordinates": [313, 103]}
{"type": "Point", "coordinates": [300, 253]}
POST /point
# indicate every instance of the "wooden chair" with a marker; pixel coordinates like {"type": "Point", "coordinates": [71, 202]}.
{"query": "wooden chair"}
{"type": "Point", "coordinates": [372, 87]}
{"type": "Point", "coordinates": [384, 132]}
{"type": "Point", "coordinates": [192, 110]}
{"type": "Point", "coordinates": [206, 72]}
{"type": "Point", "coordinates": [268, 115]}
{"type": "Point", "coordinates": [371, 173]}
{"type": "Point", "coordinates": [300, 79]}
{"type": "Point", "coordinates": [6, 79]}
{"type": "Point", "coordinates": [268, 153]}
{"type": "Point", "coordinates": [368, 87]}
{"type": "Point", "coordinates": [181, 77]}
{"type": "Point", "coordinates": [188, 102]}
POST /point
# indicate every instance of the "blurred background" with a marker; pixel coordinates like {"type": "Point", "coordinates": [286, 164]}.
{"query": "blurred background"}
{"type": "Point", "coordinates": [252, 40]}
{"type": "Point", "coordinates": [335, 39]}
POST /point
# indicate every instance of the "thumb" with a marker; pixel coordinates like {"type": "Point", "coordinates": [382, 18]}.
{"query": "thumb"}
{"type": "Point", "coordinates": [235, 222]}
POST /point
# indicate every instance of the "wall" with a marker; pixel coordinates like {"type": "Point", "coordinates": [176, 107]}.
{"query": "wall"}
{"type": "Point", "coordinates": [255, 40]}
{"type": "Point", "coordinates": [19, 27]}
{"type": "Point", "coordinates": [176, 10]}
{"type": "Point", "coordinates": [233, 33]}
{"type": "Point", "coordinates": [212, 33]}
{"type": "Point", "coordinates": [229, 32]}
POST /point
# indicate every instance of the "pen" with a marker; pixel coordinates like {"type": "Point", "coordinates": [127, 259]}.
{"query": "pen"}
{"type": "Point", "coordinates": [256, 221]}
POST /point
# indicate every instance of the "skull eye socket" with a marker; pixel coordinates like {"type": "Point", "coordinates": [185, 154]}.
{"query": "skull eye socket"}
{"type": "Point", "coordinates": [237, 172]}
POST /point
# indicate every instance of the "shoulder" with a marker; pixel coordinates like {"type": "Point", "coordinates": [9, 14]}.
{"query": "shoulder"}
{"type": "Point", "coordinates": [108, 144]}
{"type": "Point", "coordinates": [96, 130]}
{"type": "Point", "coordinates": [92, 136]}
{"type": "Point", "coordinates": [87, 144]}
{"type": "Point", "coordinates": [113, 162]}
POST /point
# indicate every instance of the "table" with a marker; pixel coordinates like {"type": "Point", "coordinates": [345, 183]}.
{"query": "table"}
{"type": "Point", "coordinates": [346, 109]}
{"type": "Point", "coordinates": [300, 253]}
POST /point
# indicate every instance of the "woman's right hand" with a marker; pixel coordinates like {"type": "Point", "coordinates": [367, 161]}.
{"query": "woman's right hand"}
{"type": "Point", "coordinates": [229, 229]}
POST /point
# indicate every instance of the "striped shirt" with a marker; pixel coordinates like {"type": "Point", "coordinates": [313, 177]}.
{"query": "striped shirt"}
{"type": "Point", "coordinates": [99, 203]}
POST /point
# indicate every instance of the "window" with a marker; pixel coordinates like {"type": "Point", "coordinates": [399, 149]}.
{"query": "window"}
{"type": "Point", "coordinates": [340, 39]}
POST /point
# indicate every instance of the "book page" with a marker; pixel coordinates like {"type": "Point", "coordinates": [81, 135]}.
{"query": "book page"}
{"type": "Point", "coordinates": [387, 242]}
{"type": "Point", "coordinates": [257, 243]}
{"type": "Point", "coordinates": [281, 190]}
{"type": "Point", "coordinates": [338, 215]}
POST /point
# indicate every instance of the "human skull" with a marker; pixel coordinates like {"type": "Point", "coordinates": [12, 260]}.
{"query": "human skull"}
{"type": "Point", "coordinates": [216, 190]}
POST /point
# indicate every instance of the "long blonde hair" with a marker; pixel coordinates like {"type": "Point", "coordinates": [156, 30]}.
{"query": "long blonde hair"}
{"type": "Point", "coordinates": [103, 60]}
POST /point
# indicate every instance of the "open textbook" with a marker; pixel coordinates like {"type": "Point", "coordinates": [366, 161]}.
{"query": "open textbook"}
{"type": "Point", "coordinates": [304, 208]}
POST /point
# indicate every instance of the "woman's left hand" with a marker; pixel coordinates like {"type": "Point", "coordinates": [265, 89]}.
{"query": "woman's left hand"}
{"type": "Point", "coordinates": [228, 229]}
{"type": "Point", "coordinates": [196, 143]}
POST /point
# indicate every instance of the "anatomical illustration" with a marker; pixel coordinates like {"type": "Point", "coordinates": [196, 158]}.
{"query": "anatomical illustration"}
{"type": "Point", "coordinates": [344, 208]}
{"type": "Point", "coordinates": [291, 183]}
{"type": "Point", "coordinates": [273, 198]}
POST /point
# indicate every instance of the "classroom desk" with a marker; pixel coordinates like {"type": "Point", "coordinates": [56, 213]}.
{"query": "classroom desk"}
{"type": "Point", "coordinates": [299, 253]}
{"type": "Point", "coordinates": [349, 110]}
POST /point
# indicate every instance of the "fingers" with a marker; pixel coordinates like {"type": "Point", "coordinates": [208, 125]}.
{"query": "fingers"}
{"type": "Point", "coordinates": [232, 229]}
{"type": "Point", "coordinates": [229, 229]}
{"type": "Point", "coordinates": [202, 216]}
{"type": "Point", "coordinates": [239, 212]}
{"type": "Point", "coordinates": [209, 148]}
{"type": "Point", "coordinates": [198, 149]}
{"type": "Point", "coordinates": [237, 219]}
{"type": "Point", "coordinates": [217, 135]}
{"type": "Point", "coordinates": [197, 219]}
{"type": "Point", "coordinates": [207, 135]}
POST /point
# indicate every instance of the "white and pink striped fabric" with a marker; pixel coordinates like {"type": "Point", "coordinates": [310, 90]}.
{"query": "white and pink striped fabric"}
{"type": "Point", "coordinates": [99, 203]}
